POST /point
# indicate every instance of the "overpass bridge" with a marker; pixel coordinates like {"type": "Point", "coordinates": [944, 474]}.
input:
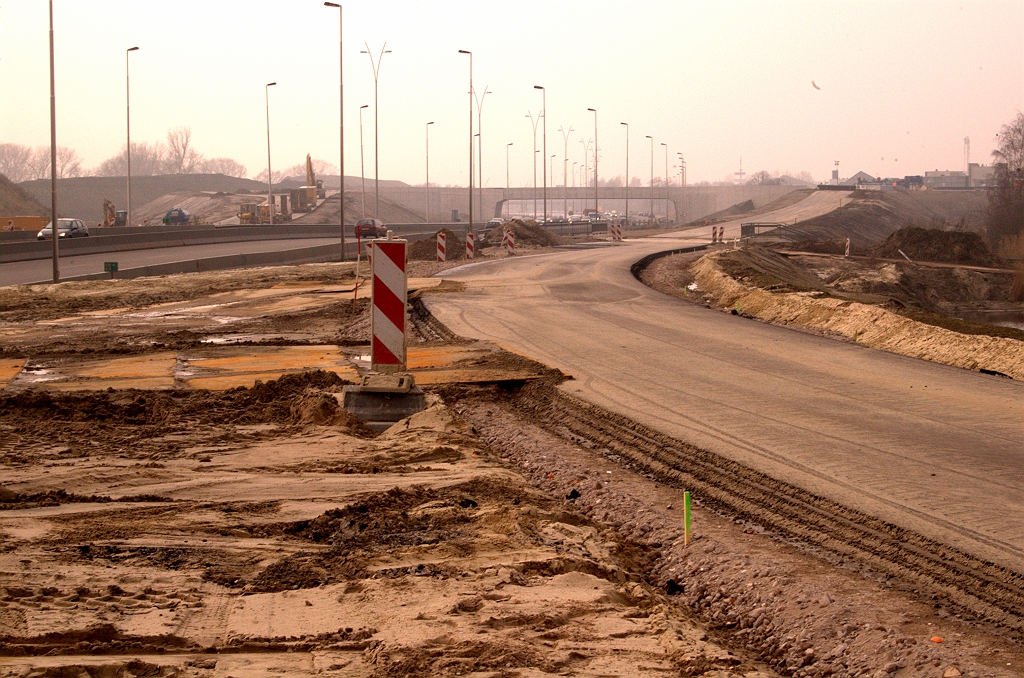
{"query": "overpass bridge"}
{"type": "Point", "coordinates": [687, 203]}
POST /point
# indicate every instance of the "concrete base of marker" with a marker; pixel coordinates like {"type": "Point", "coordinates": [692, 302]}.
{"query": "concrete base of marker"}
{"type": "Point", "coordinates": [381, 400]}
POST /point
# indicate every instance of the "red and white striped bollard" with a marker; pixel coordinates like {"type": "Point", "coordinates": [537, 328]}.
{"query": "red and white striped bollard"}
{"type": "Point", "coordinates": [470, 245]}
{"type": "Point", "coordinates": [440, 246]}
{"type": "Point", "coordinates": [387, 351]}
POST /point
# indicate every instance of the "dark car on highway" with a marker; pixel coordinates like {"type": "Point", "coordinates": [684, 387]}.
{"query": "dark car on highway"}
{"type": "Point", "coordinates": [371, 228]}
{"type": "Point", "coordinates": [66, 228]}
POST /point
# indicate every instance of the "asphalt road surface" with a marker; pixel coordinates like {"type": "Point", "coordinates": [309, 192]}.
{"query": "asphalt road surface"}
{"type": "Point", "coordinates": [41, 270]}
{"type": "Point", "coordinates": [936, 449]}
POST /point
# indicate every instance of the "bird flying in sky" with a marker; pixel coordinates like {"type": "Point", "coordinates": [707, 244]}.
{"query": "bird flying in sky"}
{"type": "Point", "coordinates": [814, 85]}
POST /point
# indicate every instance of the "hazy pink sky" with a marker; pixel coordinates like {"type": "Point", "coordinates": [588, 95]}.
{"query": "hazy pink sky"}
{"type": "Point", "coordinates": [902, 83]}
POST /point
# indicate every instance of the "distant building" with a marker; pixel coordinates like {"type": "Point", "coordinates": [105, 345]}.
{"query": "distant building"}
{"type": "Point", "coordinates": [980, 176]}
{"type": "Point", "coordinates": [945, 179]}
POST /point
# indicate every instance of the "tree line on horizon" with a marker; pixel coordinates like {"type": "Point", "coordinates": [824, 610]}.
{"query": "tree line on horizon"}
{"type": "Point", "coordinates": [175, 156]}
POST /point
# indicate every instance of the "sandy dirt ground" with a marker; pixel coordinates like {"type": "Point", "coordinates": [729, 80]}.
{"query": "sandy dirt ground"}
{"type": "Point", "coordinates": [152, 523]}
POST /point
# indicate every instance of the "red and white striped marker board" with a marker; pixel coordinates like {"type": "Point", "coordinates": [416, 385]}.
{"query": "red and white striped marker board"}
{"type": "Point", "coordinates": [847, 247]}
{"type": "Point", "coordinates": [440, 246]}
{"type": "Point", "coordinates": [387, 351]}
{"type": "Point", "coordinates": [470, 244]}
{"type": "Point", "coordinates": [616, 232]}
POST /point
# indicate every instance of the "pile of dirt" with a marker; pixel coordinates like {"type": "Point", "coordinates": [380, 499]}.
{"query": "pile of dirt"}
{"type": "Point", "coordinates": [928, 244]}
{"type": "Point", "coordinates": [528, 233]}
{"type": "Point", "coordinates": [426, 250]}
{"type": "Point", "coordinates": [15, 202]}
{"type": "Point", "coordinates": [870, 216]}
{"type": "Point", "coordinates": [142, 424]}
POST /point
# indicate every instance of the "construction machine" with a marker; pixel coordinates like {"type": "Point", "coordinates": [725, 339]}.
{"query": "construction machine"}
{"type": "Point", "coordinates": [112, 216]}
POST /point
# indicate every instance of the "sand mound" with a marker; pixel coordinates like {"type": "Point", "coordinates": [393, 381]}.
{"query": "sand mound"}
{"type": "Point", "coordinates": [527, 233]}
{"type": "Point", "coordinates": [426, 250]}
{"type": "Point", "coordinates": [929, 244]}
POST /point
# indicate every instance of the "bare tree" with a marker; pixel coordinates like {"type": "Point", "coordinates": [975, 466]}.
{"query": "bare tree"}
{"type": "Point", "coordinates": [14, 161]}
{"type": "Point", "coordinates": [763, 178]}
{"type": "Point", "coordinates": [225, 166]}
{"type": "Point", "coordinates": [320, 167]}
{"type": "Point", "coordinates": [69, 164]}
{"type": "Point", "coordinates": [39, 163]}
{"type": "Point", "coordinates": [1011, 144]}
{"type": "Point", "coordinates": [181, 157]}
{"type": "Point", "coordinates": [1005, 213]}
{"type": "Point", "coordinates": [147, 159]}
{"type": "Point", "coordinates": [262, 176]}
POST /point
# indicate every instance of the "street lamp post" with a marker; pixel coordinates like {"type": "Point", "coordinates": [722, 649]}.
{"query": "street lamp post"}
{"type": "Point", "coordinates": [376, 126]}
{"type": "Point", "coordinates": [341, 125]}
{"type": "Point", "coordinates": [594, 111]}
{"type": "Point", "coordinates": [128, 120]}
{"type": "Point", "coordinates": [480, 150]}
{"type": "Point", "coordinates": [427, 133]}
{"type": "Point", "coordinates": [627, 172]}
{"type": "Point", "coordinates": [53, 161]}
{"type": "Point", "coordinates": [464, 51]}
{"type": "Point", "coordinates": [534, 123]}
{"type": "Point", "coordinates": [507, 146]}
{"type": "Point", "coordinates": [666, 180]}
{"type": "Point", "coordinates": [652, 175]}
{"type": "Point", "coordinates": [270, 205]}
{"type": "Point", "coordinates": [544, 114]}
{"type": "Point", "coordinates": [565, 169]}
{"type": "Point", "coordinates": [362, 165]}
{"type": "Point", "coordinates": [574, 163]}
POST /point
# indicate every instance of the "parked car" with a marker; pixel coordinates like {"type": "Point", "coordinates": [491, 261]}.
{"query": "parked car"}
{"type": "Point", "coordinates": [371, 228]}
{"type": "Point", "coordinates": [66, 228]}
{"type": "Point", "coordinates": [495, 223]}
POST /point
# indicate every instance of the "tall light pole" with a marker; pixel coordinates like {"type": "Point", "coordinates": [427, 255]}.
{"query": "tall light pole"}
{"type": "Point", "coordinates": [362, 165]}
{"type": "Point", "coordinates": [464, 51]}
{"type": "Point", "coordinates": [270, 205]}
{"type": "Point", "coordinates": [128, 120]}
{"type": "Point", "coordinates": [627, 172]}
{"type": "Point", "coordinates": [55, 232]}
{"type": "Point", "coordinates": [565, 169]}
{"type": "Point", "coordinates": [594, 111]}
{"type": "Point", "coordinates": [480, 150]}
{"type": "Point", "coordinates": [341, 124]}
{"type": "Point", "coordinates": [682, 170]}
{"type": "Point", "coordinates": [544, 114]}
{"type": "Point", "coordinates": [427, 133]}
{"type": "Point", "coordinates": [652, 174]}
{"type": "Point", "coordinates": [585, 168]}
{"type": "Point", "coordinates": [376, 126]}
{"type": "Point", "coordinates": [507, 146]}
{"type": "Point", "coordinates": [666, 180]}
{"type": "Point", "coordinates": [574, 163]}
{"type": "Point", "coordinates": [534, 123]}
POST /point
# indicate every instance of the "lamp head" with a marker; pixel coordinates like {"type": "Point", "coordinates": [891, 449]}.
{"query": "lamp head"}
{"type": "Point", "coordinates": [592, 109]}
{"type": "Point", "coordinates": [365, 106]}
{"type": "Point", "coordinates": [463, 51]}
{"type": "Point", "coordinates": [133, 49]}
{"type": "Point", "coordinates": [271, 84]}
{"type": "Point", "coordinates": [537, 87]}
{"type": "Point", "coordinates": [332, 4]}
{"type": "Point", "coordinates": [431, 122]}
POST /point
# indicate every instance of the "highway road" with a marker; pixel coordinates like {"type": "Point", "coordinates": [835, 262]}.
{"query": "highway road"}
{"type": "Point", "coordinates": [40, 270]}
{"type": "Point", "coordinates": [932, 448]}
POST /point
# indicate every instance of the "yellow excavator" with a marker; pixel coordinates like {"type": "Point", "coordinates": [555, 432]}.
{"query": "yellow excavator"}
{"type": "Point", "coordinates": [113, 217]}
